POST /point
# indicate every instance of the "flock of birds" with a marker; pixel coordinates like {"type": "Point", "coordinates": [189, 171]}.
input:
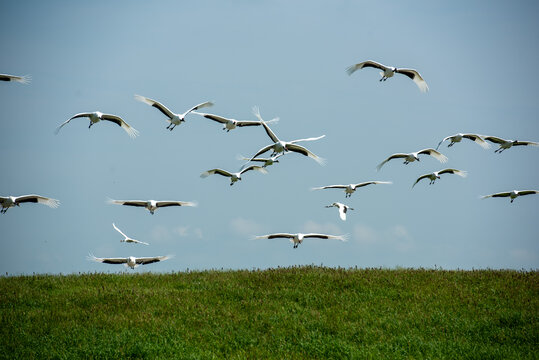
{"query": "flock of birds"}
{"type": "Point", "coordinates": [278, 149]}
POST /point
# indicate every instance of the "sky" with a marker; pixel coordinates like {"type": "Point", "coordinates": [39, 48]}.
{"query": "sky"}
{"type": "Point", "coordinates": [289, 59]}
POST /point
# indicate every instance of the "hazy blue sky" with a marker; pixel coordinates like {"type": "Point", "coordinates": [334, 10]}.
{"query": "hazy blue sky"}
{"type": "Point", "coordinates": [288, 57]}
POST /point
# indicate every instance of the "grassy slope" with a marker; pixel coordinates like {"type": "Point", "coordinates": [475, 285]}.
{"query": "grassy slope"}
{"type": "Point", "coordinates": [304, 312]}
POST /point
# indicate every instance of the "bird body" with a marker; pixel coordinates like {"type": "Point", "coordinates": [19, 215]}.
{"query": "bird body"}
{"type": "Point", "coordinates": [21, 79]}
{"type": "Point", "coordinates": [97, 116]}
{"type": "Point", "coordinates": [172, 118]}
{"type": "Point", "coordinates": [512, 194]}
{"type": "Point", "coordinates": [351, 188]}
{"type": "Point", "coordinates": [343, 209]}
{"type": "Point", "coordinates": [389, 71]}
{"type": "Point", "coordinates": [506, 144]}
{"type": "Point", "coordinates": [234, 176]}
{"type": "Point", "coordinates": [297, 239]}
{"type": "Point", "coordinates": [11, 201]}
{"type": "Point", "coordinates": [130, 261]}
{"type": "Point", "coordinates": [411, 157]}
{"type": "Point", "coordinates": [152, 205]}
{"type": "Point", "coordinates": [458, 138]}
{"type": "Point", "coordinates": [436, 175]}
{"type": "Point", "coordinates": [127, 239]}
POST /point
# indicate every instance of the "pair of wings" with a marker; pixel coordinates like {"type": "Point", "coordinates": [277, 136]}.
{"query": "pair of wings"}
{"type": "Point", "coordinates": [291, 236]}
{"type": "Point", "coordinates": [411, 73]}
{"type": "Point", "coordinates": [139, 261]}
{"type": "Point", "coordinates": [229, 174]}
{"type": "Point", "coordinates": [53, 203]}
{"type": "Point", "coordinates": [132, 132]}
{"type": "Point", "coordinates": [460, 173]}
{"type": "Point", "coordinates": [354, 185]}
{"type": "Point", "coordinates": [501, 141]}
{"type": "Point", "coordinates": [143, 203]}
{"type": "Point", "coordinates": [508, 193]}
{"type": "Point", "coordinates": [474, 137]}
{"type": "Point", "coordinates": [166, 111]}
{"type": "Point", "coordinates": [435, 154]}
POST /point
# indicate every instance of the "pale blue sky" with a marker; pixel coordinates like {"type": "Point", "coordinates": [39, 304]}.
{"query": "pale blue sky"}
{"type": "Point", "coordinates": [289, 58]}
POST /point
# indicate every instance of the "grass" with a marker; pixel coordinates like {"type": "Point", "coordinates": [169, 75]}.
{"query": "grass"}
{"type": "Point", "coordinates": [292, 313]}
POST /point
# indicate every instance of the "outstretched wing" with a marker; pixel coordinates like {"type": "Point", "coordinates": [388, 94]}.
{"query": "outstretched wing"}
{"type": "Point", "coordinates": [174, 203]}
{"type": "Point", "coordinates": [276, 236]}
{"type": "Point", "coordinates": [460, 173]}
{"type": "Point", "coordinates": [501, 194]}
{"type": "Point", "coordinates": [150, 260]}
{"type": "Point", "coordinates": [394, 156]}
{"type": "Point", "coordinates": [270, 133]}
{"type": "Point", "coordinates": [108, 260]}
{"type": "Point", "coordinates": [528, 192]}
{"type": "Point", "coordinates": [137, 203]}
{"type": "Point", "coordinates": [53, 203]}
{"type": "Point", "coordinates": [301, 150]}
{"type": "Point", "coordinates": [495, 139]}
{"type": "Point", "coordinates": [156, 104]}
{"type": "Point", "coordinates": [120, 231]}
{"type": "Point", "coordinates": [324, 236]}
{"type": "Point", "coordinates": [80, 115]}
{"type": "Point", "coordinates": [435, 154]}
{"type": "Point", "coordinates": [215, 171]}
{"type": "Point", "coordinates": [199, 106]}
{"type": "Point", "coordinates": [254, 167]}
{"type": "Point", "coordinates": [421, 178]}
{"type": "Point", "coordinates": [369, 63]}
{"type": "Point", "coordinates": [216, 118]}
{"type": "Point", "coordinates": [307, 139]}
{"type": "Point", "coordinates": [22, 79]}
{"type": "Point", "coordinates": [132, 132]}
{"type": "Point", "coordinates": [525, 143]}
{"type": "Point", "coordinates": [477, 139]}
{"type": "Point", "coordinates": [330, 187]}
{"type": "Point", "coordinates": [371, 183]}
{"type": "Point", "coordinates": [416, 77]}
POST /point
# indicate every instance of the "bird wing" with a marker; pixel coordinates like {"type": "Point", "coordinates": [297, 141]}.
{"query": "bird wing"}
{"type": "Point", "coordinates": [270, 133]}
{"type": "Point", "coordinates": [22, 79]}
{"type": "Point", "coordinates": [525, 143]}
{"type": "Point", "coordinates": [301, 150]}
{"type": "Point", "coordinates": [416, 77]}
{"type": "Point", "coordinates": [394, 156]}
{"type": "Point", "coordinates": [71, 118]}
{"type": "Point", "coordinates": [275, 236]}
{"type": "Point", "coordinates": [263, 150]}
{"type": "Point", "coordinates": [501, 194]}
{"type": "Point", "coordinates": [372, 182]}
{"type": "Point", "coordinates": [528, 192]}
{"type": "Point", "coordinates": [342, 212]}
{"type": "Point", "coordinates": [120, 231]}
{"type": "Point", "coordinates": [108, 260]}
{"type": "Point", "coordinates": [495, 139]}
{"type": "Point", "coordinates": [139, 203]}
{"type": "Point", "coordinates": [255, 123]}
{"type": "Point", "coordinates": [420, 178]}
{"type": "Point", "coordinates": [213, 117]}
{"type": "Point", "coordinates": [460, 173]}
{"type": "Point", "coordinates": [156, 104]}
{"type": "Point", "coordinates": [53, 203]}
{"type": "Point", "coordinates": [174, 203]}
{"type": "Point", "coordinates": [199, 106]}
{"type": "Point", "coordinates": [254, 167]}
{"type": "Point", "coordinates": [444, 139]}
{"type": "Point", "coordinates": [132, 132]}
{"type": "Point", "coordinates": [435, 154]}
{"type": "Point", "coordinates": [330, 187]}
{"type": "Point", "coordinates": [307, 139]}
{"type": "Point", "coordinates": [369, 63]}
{"type": "Point", "coordinates": [324, 236]}
{"type": "Point", "coordinates": [150, 260]}
{"type": "Point", "coordinates": [478, 139]}
{"type": "Point", "coordinates": [215, 171]}
{"type": "Point", "coordinates": [139, 242]}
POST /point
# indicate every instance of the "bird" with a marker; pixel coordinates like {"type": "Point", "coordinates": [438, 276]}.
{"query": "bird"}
{"type": "Point", "coordinates": [172, 118]}
{"type": "Point", "coordinates": [127, 239]}
{"type": "Point", "coordinates": [11, 201]}
{"type": "Point", "coordinates": [152, 205]}
{"type": "Point", "coordinates": [411, 157]}
{"type": "Point", "coordinates": [512, 194]}
{"type": "Point", "coordinates": [389, 71]}
{"type": "Point", "coordinates": [231, 124]}
{"type": "Point", "coordinates": [436, 175]}
{"type": "Point", "coordinates": [130, 261]}
{"type": "Point", "coordinates": [342, 209]}
{"type": "Point", "coordinates": [233, 176]}
{"type": "Point", "coordinates": [22, 79]}
{"type": "Point", "coordinates": [97, 116]}
{"type": "Point", "coordinates": [280, 146]}
{"type": "Point", "coordinates": [351, 188]}
{"type": "Point", "coordinates": [506, 144]}
{"type": "Point", "coordinates": [297, 239]}
{"type": "Point", "coordinates": [267, 161]}
{"type": "Point", "coordinates": [458, 137]}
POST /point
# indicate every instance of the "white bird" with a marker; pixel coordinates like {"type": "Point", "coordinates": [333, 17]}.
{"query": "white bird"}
{"type": "Point", "coordinates": [22, 79]}
{"type": "Point", "coordinates": [280, 146]}
{"type": "Point", "coordinates": [127, 238]}
{"type": "Point", "coordinates": [11, 201]}
{"type": "Point", "coordinates": [342, 209]}
{"type": "Point", "coordinates": [97, 116]}
{"type": "Point", "coordinates": [506, 144]}
{"type": "Point", "coordinates": [233, 176]}
{"type": "Point", "coordinates": [351, 188]}
{"type": "Point", "coordinates": [297, 239]}
{"type": "Point", "coordinates": [231, 124]}
{"type": "Point", "coordinates": [130, 261]}
{"type": "Point", "coordinates": [512, 194]}
{"type": "Point", "coordinates": [411, 157]}
{"type": "Point", "coordinates": [172, 118]}
{"type": "Point", "coordinates": [436, 175]}
{"type": "Point", "coordinates": [267, 161]}
{"type": "Point", "coordinates": [151, 205]}
{"type": "Point", "coordinates": [389, 71]}
{"type": "Point", "coordinates": [458, 137]}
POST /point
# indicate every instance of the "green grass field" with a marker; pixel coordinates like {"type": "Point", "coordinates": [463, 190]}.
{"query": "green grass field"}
{"type": "Point", "coordinates": [284, 313]}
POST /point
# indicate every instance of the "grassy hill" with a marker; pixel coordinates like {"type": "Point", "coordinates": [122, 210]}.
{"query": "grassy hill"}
{"type": "Point", "coordinates": [292, 313]}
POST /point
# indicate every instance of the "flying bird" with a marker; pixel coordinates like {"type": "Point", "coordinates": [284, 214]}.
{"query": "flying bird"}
{"type": "Point", "coordinates": [512, 194]}
{"type": "Point", "coordinates": [411, 157]}
{"type": "Point", "coordinates": [389, 71]}
{"type": "Point", "coordinates": [130, 261]}
{"type": "Point", "coordinates": [342, 209]}
{"type": "Point", "coordinates": [297, 239]}
{"type": "Point", "coordinates": [231, 124]}
{"type": "Point", "coordinates": [11, 201]}
{"type": "Point", "coordinates": [97, 116]}
{"type": "Point", "coordinates": [233, 176]}
{"type": "Point", "coordinates": [22, 79]}
{"type": "Point", "coordinates": [458, 138]}
{"type": "Point", "coordinates": [127, 239]}
{"type": "Point", "coordinates": [351, 188]}
{"type": "Point", "coordinates": [172, 118]}
{"type": "Point", "coordinates": [506, 144]}
{"type": "Point", "coordinates": [436, 175]}
{"type": "Point", "coordinates": [267, 161]}
{"type": "Point", "coordinates": [151, 205]}
{"type": "Point", "coordinates": [280, 146]}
